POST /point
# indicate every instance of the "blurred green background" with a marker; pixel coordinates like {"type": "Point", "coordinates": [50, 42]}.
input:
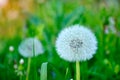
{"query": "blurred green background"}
{"type": "Point", "coordinates": [44, 19]}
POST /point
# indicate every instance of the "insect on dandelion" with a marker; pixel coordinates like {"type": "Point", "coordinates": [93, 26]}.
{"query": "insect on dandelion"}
{"type": "Point", "coordinates": [76, 43]}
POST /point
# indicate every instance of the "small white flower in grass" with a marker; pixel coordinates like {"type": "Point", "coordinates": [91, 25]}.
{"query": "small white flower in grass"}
{"type": "Point", "coordinates": [30, 47]}
{"type": "Point", "coordinates": [11, 48]}
{"type": "Point", "coordinates": [76, 43]}
{"type": "Point", "coordinates": [15, 66]}
{"type": "Point", "coordinates": [21, 61]}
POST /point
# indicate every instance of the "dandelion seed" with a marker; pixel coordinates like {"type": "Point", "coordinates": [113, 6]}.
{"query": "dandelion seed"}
{"type": "Point", "coordinates": [30, 47]}
{"type": "Point", "coordinates": [76, 43]}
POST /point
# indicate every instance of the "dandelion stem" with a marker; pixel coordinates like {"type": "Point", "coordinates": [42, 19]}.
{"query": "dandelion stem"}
{"type": "Point", "coordinates": [28, 69]}
{"type": "Point", "coordinates": [77, 70]}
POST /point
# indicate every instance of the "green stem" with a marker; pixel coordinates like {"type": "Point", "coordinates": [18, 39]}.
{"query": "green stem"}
{"type": "Point", "coordinates": [28, 69]}
{"type": "Point", "coordinates": [20, 77]}
{"type": "Point", "coordinates": [77, 70]}
{"type": "Point", "coordinates": [35, 73]}
{"type": "Point", "coordinates": [66, 73]}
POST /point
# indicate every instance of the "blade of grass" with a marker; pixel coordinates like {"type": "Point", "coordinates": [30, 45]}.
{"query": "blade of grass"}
{"type": "Point", "coordinates": [66, 73]}
{"type": "Point", "coordinates": [43, 71]}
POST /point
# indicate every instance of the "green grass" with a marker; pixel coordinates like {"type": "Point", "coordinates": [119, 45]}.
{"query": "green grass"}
{"type": "Point", "coordinates": [47, 20]}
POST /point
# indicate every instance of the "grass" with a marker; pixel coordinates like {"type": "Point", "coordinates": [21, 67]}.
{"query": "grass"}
{"type": "Point", "coordinates": [45, 21]}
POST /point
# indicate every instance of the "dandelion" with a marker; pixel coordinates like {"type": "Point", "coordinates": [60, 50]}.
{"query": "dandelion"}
{"type": "Point", "coordinates": [30, 47]}
{"type": "Point", "coordinates": [76, 43]}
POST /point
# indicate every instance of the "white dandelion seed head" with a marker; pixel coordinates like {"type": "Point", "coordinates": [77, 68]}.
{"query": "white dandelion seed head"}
{"type": "Point", "coordinates": [30, 47]}
{"type": "Point", "coordinates": [76, 43]}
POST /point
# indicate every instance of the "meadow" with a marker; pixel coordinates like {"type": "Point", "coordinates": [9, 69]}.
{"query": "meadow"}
{"type": "Point", "coordinates": [44, 20]}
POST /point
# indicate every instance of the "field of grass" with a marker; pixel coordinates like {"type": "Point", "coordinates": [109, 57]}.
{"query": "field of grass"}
{"type": "Point", "coordinates": [44, 19]}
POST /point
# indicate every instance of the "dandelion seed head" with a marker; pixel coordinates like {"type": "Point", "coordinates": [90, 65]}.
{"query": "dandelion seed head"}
{"type": "Point", "coordinates": [76, 43]}
{"type": "Point", "coordinates": [30, 47]}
